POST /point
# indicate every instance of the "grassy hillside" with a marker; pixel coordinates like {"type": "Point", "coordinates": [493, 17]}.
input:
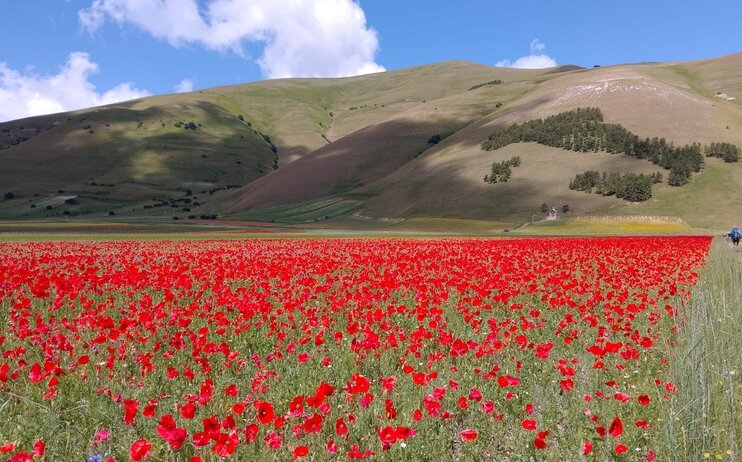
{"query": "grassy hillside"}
{"type": "Point", "coordinates": [327, 150]}
{"type": "Point", "coordinates": [445, 180]}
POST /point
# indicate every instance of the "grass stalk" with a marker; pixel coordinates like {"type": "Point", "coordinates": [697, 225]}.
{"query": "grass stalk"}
{"type": "Point", "coordinates": [703, 419]}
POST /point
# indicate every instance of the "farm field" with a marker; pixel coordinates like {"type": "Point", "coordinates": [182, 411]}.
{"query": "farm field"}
{"type": "Point", "coordinates": [382, 349]}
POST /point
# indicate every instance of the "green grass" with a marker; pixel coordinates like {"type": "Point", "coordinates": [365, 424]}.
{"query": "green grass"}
{"type": "Point", "coordinates": [703, 419]}
{"type": "Point", "coordinates": [619, 225]}
{"type": "Point", "coordinates": [690, 77]}
{"type": "Point", "coordinates": [304, 212]}
{"type": "Point", "coordinates": [705, 202]}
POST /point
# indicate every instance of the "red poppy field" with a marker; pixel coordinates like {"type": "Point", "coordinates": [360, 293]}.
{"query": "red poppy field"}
{"type": "Point", "coordinates": [321, 349]}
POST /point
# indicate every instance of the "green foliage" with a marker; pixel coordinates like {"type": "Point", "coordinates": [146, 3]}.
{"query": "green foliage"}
{"type": "Point", "coordinates": [501, 171]}
{"type": "Point", "coordinates": [630, 186]}
{"type": "Point", "coordinates": [9, 195]}
{"type": "Point", "coordinates": [726, 151]}
{"type": "Point", "coordinates": [679, 175]}
{"type": "Point", "coordinates": [634, 188]}
{"type": "Point", "coordinates": [583, 130]}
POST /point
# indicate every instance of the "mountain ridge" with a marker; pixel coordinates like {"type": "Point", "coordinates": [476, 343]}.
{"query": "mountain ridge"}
{"type": "Point", "coordinates": [400, 144]}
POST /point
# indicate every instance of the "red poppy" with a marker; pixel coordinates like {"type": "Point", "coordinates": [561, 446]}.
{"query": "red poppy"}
{"type": "Point", "coordinates": [528, 424]}
{"type": "Point", "coordinates": [39, 448]}
{"type": "Point", "coordinates": [358, 384]}
{"type": "Point", "coordinates": [264, 411]}
{"type": "Point", "coordinates": [616, 428]}
{"type": "Point", "coordinates": [226, 444]}
{"type": "Point", "coordinates": [139, 450]}
{"type": "Point", "coordinates": [642, 424]}
{"type": "Point", "coordinates": [468, 434]}
{"type": "Point", "coordinates": [188, 411]}
{"type": "Point", "coordinates": [251, 432]}
{"type": "Point", "coordinates": [130, 411]}
{"type": "Point", "coordinates": [313, 424]}
{"type": "Point", "coordinates": [300, 451]}
{"type": "Point", "coordinates": [169, 432]}
{"type": "Point", "coordinates": [231, 390]}
{"type": "Point", "coordinates": [340, 427]}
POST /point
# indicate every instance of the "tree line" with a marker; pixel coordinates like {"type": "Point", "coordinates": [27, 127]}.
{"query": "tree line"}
{"type": "Point", "coordinates": [583, 129]}
{"type": "Point", "coordinates": [629, 186]}
{"type": "Point", "coordinates": [491, 82]}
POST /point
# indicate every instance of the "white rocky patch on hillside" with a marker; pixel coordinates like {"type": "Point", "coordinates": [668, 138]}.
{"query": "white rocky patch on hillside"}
{"type": "Point", "coordinates": [589, 93]}
{"type": "Point", "coordinates": [726, 97]}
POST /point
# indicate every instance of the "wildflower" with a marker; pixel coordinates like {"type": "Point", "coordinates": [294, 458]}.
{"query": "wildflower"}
{"type": "Point", "coordinates": [139, 450]}
{"type": "Point", "coordinates": [468, 434]}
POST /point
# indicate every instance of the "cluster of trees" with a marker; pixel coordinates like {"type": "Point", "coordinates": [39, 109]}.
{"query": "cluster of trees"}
{"type": "Point", "coordinates": [583, 130]}
{"type": "Point", "coordinates": [629, 186]}
{"type": "Point", "coordinates": [726, 151]}
{"type": "Point", "coordinates": [501, 171]}
{"type": "Point", "coordinates": [491, 82]}
{"type": "Point", "coordinates": [188, 126]}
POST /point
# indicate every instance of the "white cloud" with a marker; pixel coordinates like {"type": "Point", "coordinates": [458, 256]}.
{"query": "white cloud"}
{"type": "Point", "coordinates": [27, 94]}
{"type": "Point", "coordinates": [536, 60]}
{"type": "Point", "coordinates": [185, 86]}
{"type": "Point", "coordinates": [537, 47]}
{"type": "Point", "coordinates": [302, 38]}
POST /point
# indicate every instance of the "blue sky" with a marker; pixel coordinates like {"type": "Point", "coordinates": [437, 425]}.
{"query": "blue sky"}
{"type": "Point", "coordinates": [65, 54]}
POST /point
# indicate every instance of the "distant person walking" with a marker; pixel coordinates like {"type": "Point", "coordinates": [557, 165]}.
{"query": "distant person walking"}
{"type": "Point", "coordinates": [735, 234]}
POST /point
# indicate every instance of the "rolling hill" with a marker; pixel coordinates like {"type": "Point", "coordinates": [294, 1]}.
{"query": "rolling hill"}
{"type": "Point", "coordinates": [374, 149]}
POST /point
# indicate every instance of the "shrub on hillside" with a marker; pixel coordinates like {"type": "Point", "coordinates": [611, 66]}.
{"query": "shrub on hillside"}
{"type": "Point", "coordinates": [501, 171]}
